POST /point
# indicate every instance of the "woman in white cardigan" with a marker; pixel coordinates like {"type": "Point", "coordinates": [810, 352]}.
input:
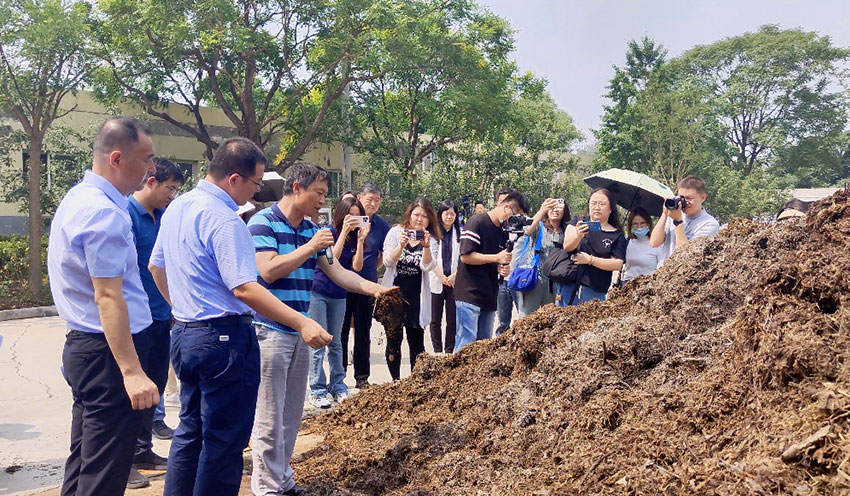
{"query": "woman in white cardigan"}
{"type": "Point", "coordinates": [443, 278]}
{"type": "Point", "coordinates": [408, 261]}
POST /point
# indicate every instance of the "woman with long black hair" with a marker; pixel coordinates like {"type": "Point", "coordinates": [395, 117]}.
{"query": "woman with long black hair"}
{"type": "Point", "coordinates": [443, 278]}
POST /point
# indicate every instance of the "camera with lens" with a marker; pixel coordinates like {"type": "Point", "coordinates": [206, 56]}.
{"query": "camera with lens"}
{"type": "Point", "coordinates": [673, 203]}
{"type": "Point", "coordinates": [415, 235]}
{"type": "Point", "coordinates": [516, 223]}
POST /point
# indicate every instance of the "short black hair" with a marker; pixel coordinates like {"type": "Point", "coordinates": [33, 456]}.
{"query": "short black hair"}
{"type": "Point", "coordinates": [236, 156]}
{"type": "Point", "coordinates": [371, 188]}
{"type": "Point", "coordinates": [478, 202]}
{"type": "Point", "coordinates": [520, 200]}
{"type": "Point", "coordinates": [305, 174]}
{"type": "Point", "coordinates": [117, 132]}
{"type": "Point", "coordinates": [504, 191]}
{"type": "Point", "coordinates": [167, 170]}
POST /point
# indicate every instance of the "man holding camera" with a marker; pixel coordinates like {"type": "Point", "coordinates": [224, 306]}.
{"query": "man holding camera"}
{"type": "Point", "coordinates": [483, 258]}
{"type": "Point", "coordinates": [683, 218]}
{"type": "Point", "coordinates": [506, 298]}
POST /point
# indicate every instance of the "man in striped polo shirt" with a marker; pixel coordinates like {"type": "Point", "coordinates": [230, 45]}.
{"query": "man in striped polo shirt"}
{"type": "Point", "coordinates": [287, 248]}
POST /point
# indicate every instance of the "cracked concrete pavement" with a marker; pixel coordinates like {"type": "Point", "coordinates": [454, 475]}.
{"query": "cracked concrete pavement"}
{"type": "Point", "coordinates": [35, 412]}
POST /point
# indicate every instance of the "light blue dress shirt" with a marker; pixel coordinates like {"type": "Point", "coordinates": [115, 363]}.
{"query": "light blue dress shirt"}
{"type": "Point", "coordinates": [91, 236]}
{"type": "Point", "coordinates": [206, 251]}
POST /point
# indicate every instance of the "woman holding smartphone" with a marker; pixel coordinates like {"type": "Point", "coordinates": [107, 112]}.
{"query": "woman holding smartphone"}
{"type": "Point", "coordinates": [550, 223]}
{"type": "Point", "coordinates": [409, 254]}
{"type": "Point", "coordinates": [327, 301]}
{"type": "Point", "coordinates": [601, 249]}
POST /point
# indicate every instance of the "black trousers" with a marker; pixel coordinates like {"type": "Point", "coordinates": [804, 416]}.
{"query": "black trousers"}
{"type": "Point", "coordinates": [415, 344]}
{"type": "Point", "coordinates": [156, 368]}
{"type": "Point", "coordinates": [104, 426]}
{"type": "Point", "coordinates": [438, 300]}
{"type": "Point", "coordinates": [360, 307]}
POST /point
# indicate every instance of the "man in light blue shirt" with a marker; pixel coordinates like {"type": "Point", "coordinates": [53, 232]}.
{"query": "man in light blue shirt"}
{"type": "Point", "coordinates": [203, 263]}
{"type": "Point", "coordinates": [94, 279]}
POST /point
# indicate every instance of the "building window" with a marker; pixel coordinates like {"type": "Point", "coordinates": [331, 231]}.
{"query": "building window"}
{"type": "Point", "coordinates": [333, 184]}
{"type": "Point", "coordinates": [187, 168]}
{"type": "Point", "coordinates": [52, 165]}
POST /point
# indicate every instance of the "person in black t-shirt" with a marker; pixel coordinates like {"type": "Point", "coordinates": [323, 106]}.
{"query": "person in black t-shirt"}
{"type": "Point", "coordinates": [599, 252]}
{"type": "Point", "coordinates": [483, 258]}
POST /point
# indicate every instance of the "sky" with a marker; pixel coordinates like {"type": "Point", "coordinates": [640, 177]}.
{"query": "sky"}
{"type": "Point", "coordinates": [574, 44]}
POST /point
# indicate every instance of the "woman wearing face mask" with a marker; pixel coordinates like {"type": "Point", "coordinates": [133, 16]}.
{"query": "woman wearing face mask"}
{"type": "Point", "coordinates": [599, 252]}
{"type": "Point", "coordinates": [641, 258]}
{"type": "Point", "coordinates": [443, 278]}
{"type": "Point", "coordinates": [408, 261]}
{"type": "Point", "coordinates": [553, 217]}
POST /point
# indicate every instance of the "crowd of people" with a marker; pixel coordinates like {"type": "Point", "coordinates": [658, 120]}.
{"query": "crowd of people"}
{"type": "Point", "coordinates": [248, 313]}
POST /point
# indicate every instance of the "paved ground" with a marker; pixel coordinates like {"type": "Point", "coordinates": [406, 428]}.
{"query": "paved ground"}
{"type": "Point", "coordinates": [35, 413]}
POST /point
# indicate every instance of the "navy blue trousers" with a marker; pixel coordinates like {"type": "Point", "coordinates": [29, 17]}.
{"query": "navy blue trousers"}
{"type": "Point", "coordinates": [156, 368]}
{"type": "Point", "coordinates": [219, 371]}
{"type": "Point", "coordinates": [104, 425]}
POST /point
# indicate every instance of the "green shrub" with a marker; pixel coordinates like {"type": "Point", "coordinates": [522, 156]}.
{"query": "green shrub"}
{"type": "Point", "coordinates": [14, 257]}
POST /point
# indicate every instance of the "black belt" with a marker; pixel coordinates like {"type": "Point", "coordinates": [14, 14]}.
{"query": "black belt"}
{"type": "Point", "coordinates": [229, 320]}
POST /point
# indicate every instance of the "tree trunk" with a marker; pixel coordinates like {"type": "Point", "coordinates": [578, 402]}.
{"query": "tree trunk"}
{"type": "Point", "coordinates": [34, 200]}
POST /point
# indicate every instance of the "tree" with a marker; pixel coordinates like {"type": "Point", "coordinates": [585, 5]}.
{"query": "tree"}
{"type": "Point", "coordinates": [530, 153]}
{"type": "Point", "coordinates": [408, 115]}
{"type": "Point", "coordinates": [622, 136]}
{"type": "Point", "coordinates": [771, 90]}
{"type": "Point", "coordinates": [276, 68]}
{"type": "Point", "coordinates": [44, 53]}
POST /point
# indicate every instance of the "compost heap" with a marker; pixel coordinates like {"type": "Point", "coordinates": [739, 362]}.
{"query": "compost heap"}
{"type": "Point", "coordinates": [724, 373]}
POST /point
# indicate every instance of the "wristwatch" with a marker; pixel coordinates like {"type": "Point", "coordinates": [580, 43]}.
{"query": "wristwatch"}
{"type": "Point", "coordinates": [678, 222]}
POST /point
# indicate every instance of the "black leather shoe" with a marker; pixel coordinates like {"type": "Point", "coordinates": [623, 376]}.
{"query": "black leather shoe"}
{"type": "Point", "coordinates": [361, 383]}
{"type": "Point", "coordinates": [137, 480]}
{"type": "Point", "coordinates": [160, 430]}
{"type": "Point", "coordinates": [295, 490]}
{"type": "Point", "coordinates": [150, 461]}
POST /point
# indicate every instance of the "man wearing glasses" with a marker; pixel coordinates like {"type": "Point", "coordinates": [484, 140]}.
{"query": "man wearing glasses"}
{"type": "Point", "coordinates": [203, 264]}
{"type": "Point", "coordinates": [145, 208]}
{"type": "Point", "coordinates": [483, 258]}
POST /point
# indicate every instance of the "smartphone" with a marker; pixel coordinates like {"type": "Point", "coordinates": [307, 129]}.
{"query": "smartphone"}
{"type": "Point", "coordinates": [362, 221]}
{"type": "Point", "coordinates": [593, 225]}
{"type": "Point", "coordinates": [414, 235]}
{"type": "Point", "coordinates": [561, 202]}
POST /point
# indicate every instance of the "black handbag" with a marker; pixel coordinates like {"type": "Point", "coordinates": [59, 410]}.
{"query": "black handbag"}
{"type": "Point", "coordinates": [559, 267]}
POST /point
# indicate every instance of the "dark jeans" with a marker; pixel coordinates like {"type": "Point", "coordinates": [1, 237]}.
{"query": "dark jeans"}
{"type": "Point", "coordinates": [415, 344]}
{"type": "Point", "coordinates": [156, 368]}
{"type": "Point", "coordinates": [104, 425]}
{"type": "Point", "coordinates": [219, 371]}
{"type": "Point", "coordinates": [504, 307]}
{"type": "Point", "coordinates": [360, 307]}
{"type": "Point", "coordinates": [438, 300]}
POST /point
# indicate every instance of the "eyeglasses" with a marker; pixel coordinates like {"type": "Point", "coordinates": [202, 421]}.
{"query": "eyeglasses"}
{"type": "Point", "coordinates": [638, 225]}
{"type": "Point", "coordinates": [259, 184]}
{"type": "Point", "coordinates": [172, 191]}
{"type": "Point", "coordinates": [599, 204]}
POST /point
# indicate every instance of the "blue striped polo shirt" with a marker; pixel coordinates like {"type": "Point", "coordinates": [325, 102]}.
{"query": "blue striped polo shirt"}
{"type": "Point", "coordinates": [272, 232]}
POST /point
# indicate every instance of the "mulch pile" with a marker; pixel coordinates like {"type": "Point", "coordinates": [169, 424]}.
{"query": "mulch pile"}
{"type": "Point", "coordinates": [389, 311]}
{"type": "Point", "coordinates": [727, 372]}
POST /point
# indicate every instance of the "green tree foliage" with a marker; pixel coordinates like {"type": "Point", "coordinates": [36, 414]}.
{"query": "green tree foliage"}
{"type": "Point", "coordinates": [408, 115]}
{"type": "Point", "coordinates": [774, 93]}
{"type": "Point", "coordinates": [529, 152]}
{"type": "Point", "coordinates": [753, 115]}
{"type": "Point", "coordinates": [44, 58]}
{"type": "Point", "coordinates": [622, 138]}
{"type": "Point", "coordinates": [276, 68]}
